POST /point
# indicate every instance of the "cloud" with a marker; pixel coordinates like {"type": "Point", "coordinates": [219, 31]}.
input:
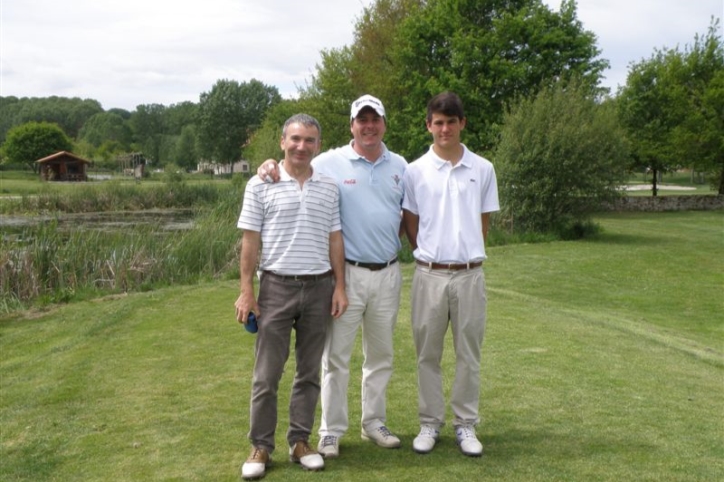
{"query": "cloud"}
{"type": "Point", "coordinates": [129, 52]}
{"type": "Point", "coordinates": [630, 30]}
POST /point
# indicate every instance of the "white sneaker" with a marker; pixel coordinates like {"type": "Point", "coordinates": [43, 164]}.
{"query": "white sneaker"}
{"type": "Point", "coordinates": [306, 456]}
{"type": "Point", "coordinates": [468, 442]}
{"type": "Point", "coordinates": [425, 441]}
{"type": "Point", "coordinates": [255, 466]}
{"type": "Point", "coordinates": [382, 437]}
{"type": "Point", "coordinates": [328, 446]}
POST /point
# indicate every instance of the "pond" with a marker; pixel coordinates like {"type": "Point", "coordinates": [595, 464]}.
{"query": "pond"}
{"type": "Point", "coordinates": [162, 220]}
{"type": "Point", "coordinates": [166, 219]}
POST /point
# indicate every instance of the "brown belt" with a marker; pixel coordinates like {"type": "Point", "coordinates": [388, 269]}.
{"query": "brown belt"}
{"type": "Point", "coordinates": [299, 277]}
{"type": "Point", "coordinates": [450, 266]}
{"type": "Point", "coordinates": [372, 266]}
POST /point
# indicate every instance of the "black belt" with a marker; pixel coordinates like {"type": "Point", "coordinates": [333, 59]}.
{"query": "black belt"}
{"type": "Point", "coordinates": [450, 266]}
{"type": "Point", "coordinates": [300, 277]}
{"type": "Point", "coordinates": [372, 266]}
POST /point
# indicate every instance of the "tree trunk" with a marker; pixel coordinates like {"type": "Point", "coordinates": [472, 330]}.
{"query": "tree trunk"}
{"type": "Point", "coordinates": [654, 179]}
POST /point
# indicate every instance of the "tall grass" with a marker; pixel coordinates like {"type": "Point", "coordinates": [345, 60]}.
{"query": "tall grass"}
{"type": "Point", "coordinates": [116, 196]}
{"type": "Point", "coordinates": [49, 264]}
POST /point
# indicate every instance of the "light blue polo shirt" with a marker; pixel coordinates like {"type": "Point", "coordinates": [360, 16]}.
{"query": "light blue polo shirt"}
{"type": "Point", "coordinates": [370, 203]}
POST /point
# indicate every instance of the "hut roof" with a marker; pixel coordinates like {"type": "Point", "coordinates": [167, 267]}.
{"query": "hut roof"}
{"type": "Point", "coordinates": [60, 155]}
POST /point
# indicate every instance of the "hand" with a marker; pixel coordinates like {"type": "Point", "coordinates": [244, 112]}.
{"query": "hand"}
{"type": "Point", "coordinates": [339, 303]}
{"type": "Point", "coordinates": [244, 304]}
{"type": "Point", "coordinates": [269, 171]}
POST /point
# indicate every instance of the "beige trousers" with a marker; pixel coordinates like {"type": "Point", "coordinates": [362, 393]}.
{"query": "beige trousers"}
{"type": "Point", "coordinates": [442, 298]}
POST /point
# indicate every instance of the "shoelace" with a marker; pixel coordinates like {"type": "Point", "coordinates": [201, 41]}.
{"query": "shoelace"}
{"type": "Point", "coordinates": [465, 432]}
{"type": "Point", "coordinates": [306, 449]}
{"type": "Point", "coordinates": [328, 440]}
{"type": "Point", "coordinates": [258, 454]}
{"type": "Point", "coordinates": [384, 431]}
{"type": "Point", "coordinates": [428, 431]}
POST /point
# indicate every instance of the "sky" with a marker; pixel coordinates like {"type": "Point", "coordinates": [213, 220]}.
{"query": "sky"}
{"type": "Point", "coordinates": [124, 53]}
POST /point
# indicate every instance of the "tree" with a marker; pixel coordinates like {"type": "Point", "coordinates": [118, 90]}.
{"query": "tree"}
{"type": "Point", "coordinates": [329, 95]}
{"type": "Point", "coordinates": [69, 113]}
{"type": "Point", "coordinates": [672, 107]}
{"type": "Point", "coordinates": [107, 153]}
{"type": "Point", "coordinates": [489, 52]}
{"type": "Point", "coordinates": [185, 149]}
{"type": "Point", "coordinates": [29, 142]}
{"type": "Point", "coordinates": [646, 107]}
{"type": "Point", "coordinates": [178, 116]}
{"type": "Point", "coordinates": [264, 143]}
{"type": "Point", "coordinates": [106, 126]}
{"type": "Point", "coordinates": [349, 72]}
{"type": "Point", "coordinates": [699, 136]}
{"type": "Point", "coordinates": [561, 155]}
{"type": "Point", "coordinates": [149, 128]}
{"type": "Point", "coordinates": [229, 114]}
{"type": "Point", "coordinates": [370, 60]}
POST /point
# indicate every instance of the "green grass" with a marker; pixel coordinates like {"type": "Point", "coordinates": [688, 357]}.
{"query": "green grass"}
{"type": "Point", "coordinates": [603, 361]}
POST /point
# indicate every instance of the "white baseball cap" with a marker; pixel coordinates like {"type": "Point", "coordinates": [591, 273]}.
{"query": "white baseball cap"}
{"type": "Point", "coordinates": [367, 101]}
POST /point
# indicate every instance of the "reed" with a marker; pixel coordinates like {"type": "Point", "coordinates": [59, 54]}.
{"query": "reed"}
{"type": "Point", "coordinates": [116, 196]}
{"type": "Point", "coordinates": [47, 264]}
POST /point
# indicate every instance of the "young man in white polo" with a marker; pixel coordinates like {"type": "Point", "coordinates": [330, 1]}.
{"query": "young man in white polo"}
{"type": "Point", "coordinates": [301, 287]}
{"type": "Point", "coordinates": [449, 195]}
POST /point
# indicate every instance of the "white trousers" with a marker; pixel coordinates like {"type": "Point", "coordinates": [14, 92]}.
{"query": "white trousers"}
{"type": "Point", "coordinates": [374, 300]}
{"type": "Point", "coordinates": [442, 298]}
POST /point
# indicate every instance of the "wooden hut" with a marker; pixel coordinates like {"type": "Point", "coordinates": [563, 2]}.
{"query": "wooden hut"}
{"type": "Point", "coordinates": [63, 166]}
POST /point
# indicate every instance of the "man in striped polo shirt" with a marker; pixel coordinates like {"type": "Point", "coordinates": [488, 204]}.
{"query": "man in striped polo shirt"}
{"type": "Point", "coordinates": [301, 286]}
{"type": "Point", "coordinates": [369, 177]}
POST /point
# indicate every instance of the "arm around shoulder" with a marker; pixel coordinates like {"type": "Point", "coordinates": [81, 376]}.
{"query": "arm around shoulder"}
{"type": "Point", "coordinates": [411, 223]}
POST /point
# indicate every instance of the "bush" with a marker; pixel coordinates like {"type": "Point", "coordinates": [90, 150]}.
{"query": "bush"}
{"type": "Point", "coordinates": [561, 155]}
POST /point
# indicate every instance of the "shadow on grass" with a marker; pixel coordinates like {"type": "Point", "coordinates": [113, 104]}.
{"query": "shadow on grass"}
{"type": "Point", "coordinates": [502, 450]}
{"type": "Point", "coordinates": [628, 239]}
{"type": "Point", "coordinates": [519, 443]}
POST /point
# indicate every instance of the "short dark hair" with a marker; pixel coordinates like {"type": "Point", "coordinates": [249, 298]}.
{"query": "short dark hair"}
{"type": "Point", "coordinates": [304, 119]}
{"type": "Point", "coordinates": [446, 103]}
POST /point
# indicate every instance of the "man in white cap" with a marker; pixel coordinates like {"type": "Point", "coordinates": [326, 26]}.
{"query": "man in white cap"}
{"type": "Point", "coordinates": [370, 182]}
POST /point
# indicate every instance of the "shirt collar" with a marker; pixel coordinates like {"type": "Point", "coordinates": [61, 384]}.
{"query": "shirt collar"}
{"type": "Point", "coordinates": [439, 162]}
{"type": "Point", "coordinates": [285, 177]}
{"type": "Point", "coordinates": [353, 155]}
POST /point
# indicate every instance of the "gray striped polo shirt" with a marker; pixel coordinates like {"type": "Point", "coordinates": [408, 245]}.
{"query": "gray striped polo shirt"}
{"type": "Point", "coordinates": [294, 222]}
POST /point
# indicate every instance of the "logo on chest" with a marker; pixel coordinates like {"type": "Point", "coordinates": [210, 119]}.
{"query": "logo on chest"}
{"type": "Point", "coordinates": [350, 181]}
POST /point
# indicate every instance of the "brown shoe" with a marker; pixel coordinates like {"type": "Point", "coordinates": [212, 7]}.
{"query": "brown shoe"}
{"type": "Point", "coordinates": [306, 456]}
{"type": "Point", "coordinates": [256, 465]}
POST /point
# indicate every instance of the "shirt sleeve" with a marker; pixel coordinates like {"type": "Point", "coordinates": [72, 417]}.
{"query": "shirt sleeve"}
{"type": "Point", "coordinates": [252, 208]}
{"type": "Point", "coordinates": [408, 200]}
{"type": "Point", "coordinates": [489, 194]}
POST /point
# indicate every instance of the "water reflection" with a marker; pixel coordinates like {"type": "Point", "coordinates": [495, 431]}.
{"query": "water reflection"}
{"type": "Point", "coordinates": [166, 220]}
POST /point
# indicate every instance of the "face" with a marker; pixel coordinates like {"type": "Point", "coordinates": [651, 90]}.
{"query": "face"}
{"type": "Point", "coordinates": [368, 129]}
{"type": "Point", "coordinates": [445, 130]}
{"type": "Point", "coordinates": [300, 145]}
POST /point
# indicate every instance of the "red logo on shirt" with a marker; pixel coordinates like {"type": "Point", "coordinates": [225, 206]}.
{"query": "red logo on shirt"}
{"type": "Point", "coordinates": [350, 181]}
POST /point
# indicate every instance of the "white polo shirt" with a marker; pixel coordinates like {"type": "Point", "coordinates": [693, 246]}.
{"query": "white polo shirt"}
{"type": "Point", "coordinates": [449, 201]}
{"type": "Point", "coordinates": [370, 201]}
{"type": "Point", "coordinates": [294, 222]}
